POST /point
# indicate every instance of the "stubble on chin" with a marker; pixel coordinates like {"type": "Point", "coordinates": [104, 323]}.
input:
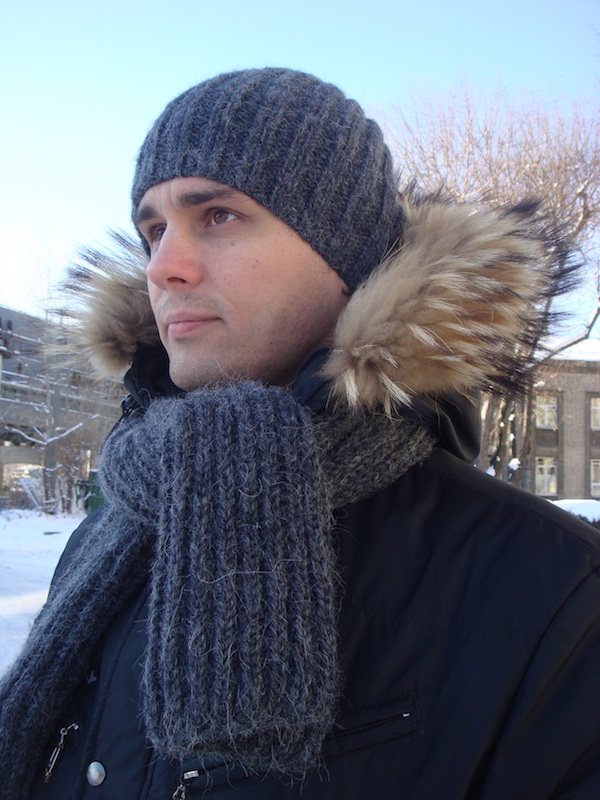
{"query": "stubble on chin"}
{"type": "Point", "coordinates": [199, 374]}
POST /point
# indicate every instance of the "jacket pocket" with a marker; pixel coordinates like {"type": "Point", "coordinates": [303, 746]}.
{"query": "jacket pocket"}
{"type": "Point", "coordinates": [367, 727]}
{"type": "Point", "coordinates": [373, 725]}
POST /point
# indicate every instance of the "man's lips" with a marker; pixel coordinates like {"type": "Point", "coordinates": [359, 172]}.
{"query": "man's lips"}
{"type": "Point", "coordinates": [184, 322]}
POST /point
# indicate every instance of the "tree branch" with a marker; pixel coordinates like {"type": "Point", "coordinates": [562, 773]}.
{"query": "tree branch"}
{"type": "Point", "coordinates": [575, 339]}
{"type": "Point", "coordinates": [44, 440]}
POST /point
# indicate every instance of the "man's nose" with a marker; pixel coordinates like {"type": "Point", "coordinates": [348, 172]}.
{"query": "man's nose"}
{"type": "Point", "coordinates": [176, 260]}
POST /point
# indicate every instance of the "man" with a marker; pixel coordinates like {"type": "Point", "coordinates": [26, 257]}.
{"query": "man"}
{"type": "Point", "coordinates": [299, 587]}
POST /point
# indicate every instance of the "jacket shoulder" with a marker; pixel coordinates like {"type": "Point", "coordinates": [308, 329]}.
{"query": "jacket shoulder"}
{"type": "Point", "coordinates": [446, 536]}
{"type": "Point", "coordinates": [509, 501]}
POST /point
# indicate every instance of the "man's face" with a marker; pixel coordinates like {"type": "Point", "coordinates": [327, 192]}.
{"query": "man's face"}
{"type": "Point", "coordinates": [237, 294]}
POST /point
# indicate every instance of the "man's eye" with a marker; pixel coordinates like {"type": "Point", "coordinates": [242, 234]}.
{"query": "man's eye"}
{"type": "Point", "coordinates": [155, 233]}
{"type": "Point", "coordinates": [218, 216]}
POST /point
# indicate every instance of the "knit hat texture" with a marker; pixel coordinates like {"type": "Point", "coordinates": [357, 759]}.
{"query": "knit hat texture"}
{"type": "Point", "coordinates": [296, 145]}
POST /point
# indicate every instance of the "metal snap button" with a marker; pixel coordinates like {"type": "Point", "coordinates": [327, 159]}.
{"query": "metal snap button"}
{"type": "Point", "coordinates": [96, 773]}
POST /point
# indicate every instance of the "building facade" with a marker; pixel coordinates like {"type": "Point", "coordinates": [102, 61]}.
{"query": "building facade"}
{"type": "Point", "coordinates": [566, 437]}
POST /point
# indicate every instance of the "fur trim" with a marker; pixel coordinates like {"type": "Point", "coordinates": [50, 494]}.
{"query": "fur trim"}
{"type": "Point", "coordinates": [111, 308]}
{"type": "Point", "coordinates": [460, 306]}
{"type": "Point", "coordinates": [454, 309]}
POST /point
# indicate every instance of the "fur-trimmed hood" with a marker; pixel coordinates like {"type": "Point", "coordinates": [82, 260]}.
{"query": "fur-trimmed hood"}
{"type": "Point", "coordinates": [459, 306]}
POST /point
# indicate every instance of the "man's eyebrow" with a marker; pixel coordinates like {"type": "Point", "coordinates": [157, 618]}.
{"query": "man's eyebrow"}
{"type": "Point", "coordinates": [143, 213]}
{"type": "Point", "coordinates": [187, 200]}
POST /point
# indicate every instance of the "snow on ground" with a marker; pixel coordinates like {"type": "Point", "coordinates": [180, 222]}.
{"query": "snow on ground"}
{"type": "Point", "coordinates": [589, 509]}
{"type": "Point", "coordinates": [30, 546]}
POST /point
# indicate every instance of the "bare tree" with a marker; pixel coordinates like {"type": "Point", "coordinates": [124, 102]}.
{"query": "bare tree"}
{"type": "Point", "coordinates": [498, 152]}
{"type": "Point", "coordinates": [52, 414]}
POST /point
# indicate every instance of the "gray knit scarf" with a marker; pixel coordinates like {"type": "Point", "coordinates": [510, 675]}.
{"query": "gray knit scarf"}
{"type": "Point", "coordinates": [225, 498]}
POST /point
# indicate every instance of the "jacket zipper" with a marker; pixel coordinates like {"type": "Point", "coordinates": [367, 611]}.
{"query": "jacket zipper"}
{"type": "Point", "coordinates": [368, 725]}
{"type": "Point", "coordinates": [58, 750]}
{"type": "Point", "coordinates": [187, 778]}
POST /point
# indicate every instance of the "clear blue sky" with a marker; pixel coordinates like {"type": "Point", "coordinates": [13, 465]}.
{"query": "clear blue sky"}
{"type": "Point", "coordinates": [81, 83]}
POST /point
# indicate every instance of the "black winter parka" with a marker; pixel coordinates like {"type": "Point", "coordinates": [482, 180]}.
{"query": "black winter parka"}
{"type": "Point", "coordinates": [469, 624]}
{"type": "Point", "coordinates": [470, 642]}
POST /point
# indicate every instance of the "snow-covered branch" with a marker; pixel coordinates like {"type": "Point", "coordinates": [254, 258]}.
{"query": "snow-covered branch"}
{"type": "Point", "coordinates": [44, 439]}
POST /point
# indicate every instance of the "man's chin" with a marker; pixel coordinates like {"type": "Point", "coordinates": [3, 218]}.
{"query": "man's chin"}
{"type": "Point", "coordinates": [188, 382]}
{"type": "Point", "coordinates": [194, 376]}
{"type": "Point", "coordinates": [200, 375]}
{"type": "Point", "coordinates": [190, 375]}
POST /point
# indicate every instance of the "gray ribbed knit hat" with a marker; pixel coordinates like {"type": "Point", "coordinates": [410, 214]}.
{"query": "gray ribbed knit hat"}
{"type": "Point", "coordinates": [296, 145]}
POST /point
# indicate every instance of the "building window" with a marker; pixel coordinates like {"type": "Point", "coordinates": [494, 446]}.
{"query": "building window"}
{"type": "Point", "coordinates": [546, 476]}
{"type": "Point", "coordinates": [595, 413]}
{"type": "Point", "coordinates": [595, 477]}
{"type": "Point", "coordinates": [546, 411]}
